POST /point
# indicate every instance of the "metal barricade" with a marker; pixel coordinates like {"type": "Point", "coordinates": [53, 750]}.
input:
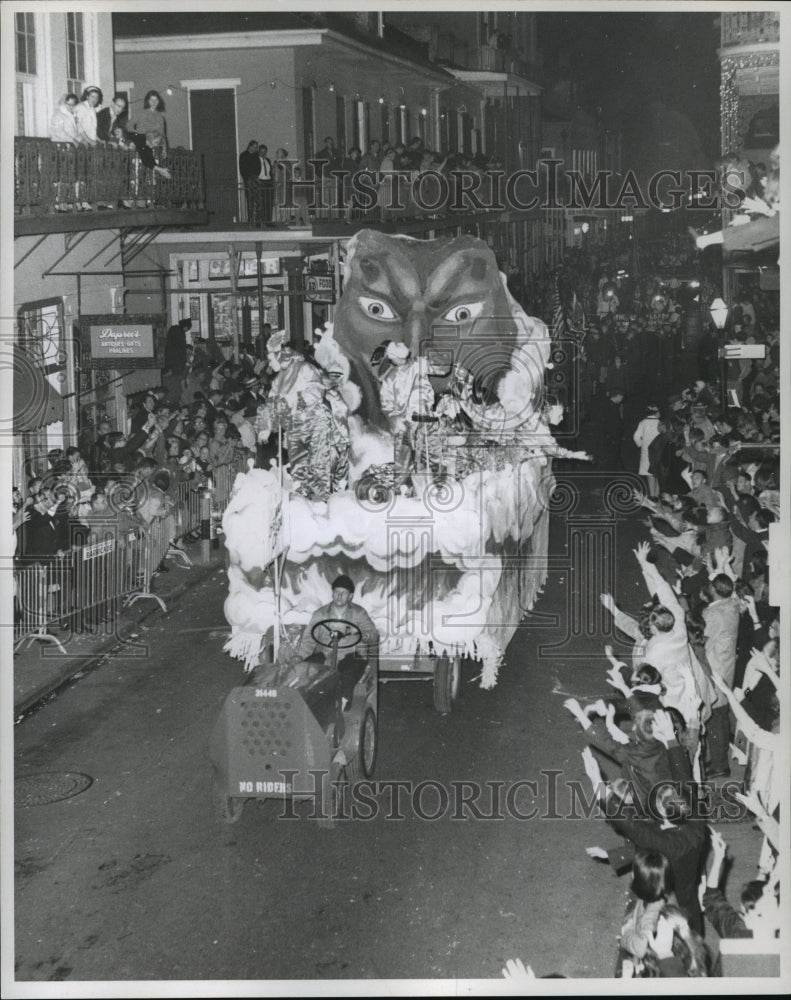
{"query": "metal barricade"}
{"type": "Point", "coordinates": [84, 588]}
{"type": "Point", "coordinates": [39, 593]}
{"type": "Point", "coordinates": [156, 544]}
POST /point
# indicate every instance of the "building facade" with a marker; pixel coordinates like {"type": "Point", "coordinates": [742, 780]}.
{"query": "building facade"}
{"type": "Point", "coordinates": [72, 231]}
{"type": "Point", "coordinates": [749, 56]}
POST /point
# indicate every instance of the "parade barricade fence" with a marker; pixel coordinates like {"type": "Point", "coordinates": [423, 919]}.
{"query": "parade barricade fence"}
{"type": "Point", "coordinates": [84, 588]}
{"type": "Point", "coordinates": [38, 596]}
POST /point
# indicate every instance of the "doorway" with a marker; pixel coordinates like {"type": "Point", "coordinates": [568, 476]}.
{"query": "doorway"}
{"type": "Point", "coordinates": [213, 126]}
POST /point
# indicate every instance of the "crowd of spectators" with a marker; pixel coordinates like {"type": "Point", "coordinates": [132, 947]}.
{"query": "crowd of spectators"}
{"type": "Point", "coordinates": [276, 190]}
{"type": "Point", "coordinates": [121, 482]}
{"type": "Point", "coordinates": [698, 694]}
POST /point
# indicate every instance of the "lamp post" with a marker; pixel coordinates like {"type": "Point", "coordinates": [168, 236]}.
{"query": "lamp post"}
{"type": "Point", "coordinates": [719, 316]}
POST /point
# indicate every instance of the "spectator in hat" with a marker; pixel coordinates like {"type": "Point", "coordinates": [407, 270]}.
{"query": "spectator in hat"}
{"type": "Point", "coordinates": [352, 661]}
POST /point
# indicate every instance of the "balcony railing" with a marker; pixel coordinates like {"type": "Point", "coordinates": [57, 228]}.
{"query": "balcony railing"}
{"type": "Point", "coordinates": [491, 60]}
{"type": "Point", "coordinates": [234, 205]}
{"type": "Point", "coordinates": [750, 27]}
{"type": "Point", "coordinates": [51, 177]}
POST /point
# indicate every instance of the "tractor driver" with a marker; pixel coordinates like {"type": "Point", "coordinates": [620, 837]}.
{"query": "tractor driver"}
{"type": "Point", "coordinates": [351, 665]}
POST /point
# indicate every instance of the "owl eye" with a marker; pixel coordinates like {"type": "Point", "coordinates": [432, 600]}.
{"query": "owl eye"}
{"type": "Point", "coordinates": [376, 309]}
{"type": "Point", "coordinates": [463, 313]}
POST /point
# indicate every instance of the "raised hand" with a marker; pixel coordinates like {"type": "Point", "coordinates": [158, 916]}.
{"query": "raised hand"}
{"type": "Point", "coordinates": [662, 727]}
{"type": "Point", "coordinates": [516, 969]}
{"type": "Point", "coordinates": [615, 732]}
{"type": "Point", "coordinates": [593, 770]}
{"type": "Point", "coordinates": [718, 845]}
{"type": "Point", "coordinates": [750, 801]}
{"type": "Point", "coordinates": [761, 662]}
{"type": "Point", "coordinates": [641, 552]}
{"type": "Point", "coordinates": [723, 561]}
{"type": "Point", "coordinates": [596, 852]}
{"type": "Point", "coordinates": [615, 679]}
{"type": "Point", "coordinates": [608, 602]}
{"type": "Point", "coordinates": [596, 708]}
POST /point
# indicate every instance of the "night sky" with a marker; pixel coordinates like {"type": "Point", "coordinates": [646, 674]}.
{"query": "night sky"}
{"type": "Point", "coordinates": [625, 61]}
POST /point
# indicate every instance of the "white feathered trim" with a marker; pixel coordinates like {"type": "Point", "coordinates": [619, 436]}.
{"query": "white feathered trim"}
{"type": "Point", "coordinates": [245, 646]}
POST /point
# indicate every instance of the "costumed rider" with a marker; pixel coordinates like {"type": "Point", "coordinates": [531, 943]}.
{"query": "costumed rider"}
{"type": "Point", "coordinates": [341, 608]}
{"type": "Point", "coordinates": [305, 404]}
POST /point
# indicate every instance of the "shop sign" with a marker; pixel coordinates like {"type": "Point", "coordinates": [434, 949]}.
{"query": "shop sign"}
{"type": "Point", "coordinates": [319, 288]}
{"type": "Point", "coordinates": [120, 341]}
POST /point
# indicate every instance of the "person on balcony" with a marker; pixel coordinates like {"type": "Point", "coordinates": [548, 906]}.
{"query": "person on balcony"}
{"type": "Point", "coordinates": [152, 120]}
{"type": "Point", "coordinates": [108, 118]}
{"type": "Point", "coordinates": [265, 186]}
{"type": "Point", "coordinates": [120, 139]}
{"type": "Point", "coordinates": [326, 160]}
{"type": "Point", "coordinates": [146, 146]}
{"type": "Point", "coordinates": [86, 115]}
{"type": "Point", "coordinates": [64, 126]}
{"type": "Point", "coordinates": [387, 182]}
{"type": "Point", "coordinates": [372, 159]}
{"type": "Point", "coordinates": [411, 160]}
{"type": "Point", "coordinates": [281, 167]}
{"type": "Point", "coordinates": [249, 168]}
{"type": "Point", "coordinates": [353, 164]}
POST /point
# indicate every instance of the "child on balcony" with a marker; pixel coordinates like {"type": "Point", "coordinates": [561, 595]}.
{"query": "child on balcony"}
{"type": "Point", "coordinates": [145, 166]}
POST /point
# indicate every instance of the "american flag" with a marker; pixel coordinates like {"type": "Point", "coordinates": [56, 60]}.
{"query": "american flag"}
{"type": "Point", "coordinates": [577, 322]}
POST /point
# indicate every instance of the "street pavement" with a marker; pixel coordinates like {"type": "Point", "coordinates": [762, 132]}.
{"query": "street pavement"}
{"type": "Point", "coordinates": [135, 878]}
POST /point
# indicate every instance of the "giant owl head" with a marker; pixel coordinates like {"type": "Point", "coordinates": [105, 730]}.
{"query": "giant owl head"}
{"type": "Point", "coordinates": [444, 299]}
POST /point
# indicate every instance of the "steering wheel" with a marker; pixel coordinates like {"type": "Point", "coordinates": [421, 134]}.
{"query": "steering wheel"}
{"type": "Point", "coordinates": [352, 632]}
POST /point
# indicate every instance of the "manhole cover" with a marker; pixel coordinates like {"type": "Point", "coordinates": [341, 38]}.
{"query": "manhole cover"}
{"type": "Point", "coordinates": [49, 786]}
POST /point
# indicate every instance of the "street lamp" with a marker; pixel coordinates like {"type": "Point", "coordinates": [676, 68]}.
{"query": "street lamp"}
{"type": "Point", "coordinates": [719, 316]}
{"type": "Point", "coordinates": [719, 313]}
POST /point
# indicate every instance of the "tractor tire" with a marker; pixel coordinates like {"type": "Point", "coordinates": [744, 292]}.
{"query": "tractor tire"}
{"type": "Point", "coordinates": [447, 675]}
{"type": "Point", "coordinates": [362, 765]}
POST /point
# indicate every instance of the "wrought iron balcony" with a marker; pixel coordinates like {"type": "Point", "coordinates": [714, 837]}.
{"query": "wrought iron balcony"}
{"type": "Point", "coordinates": [59, 187]}
{"type": "Point", "coordinates": [231, 207]}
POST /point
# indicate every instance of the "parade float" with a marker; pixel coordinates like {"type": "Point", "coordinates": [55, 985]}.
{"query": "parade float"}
{"type": "Point", "coordinates": [419, 463]}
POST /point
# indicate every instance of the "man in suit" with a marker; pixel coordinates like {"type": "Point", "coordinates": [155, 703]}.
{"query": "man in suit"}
{"type": "Point", "coordinates": [249, 169]}
{"type": "Point", "coordinates": [175, 361]}
{"type": "Point", "coordinates": [111, 116]}
{"type": "Point", "coordinates": [47, 531]}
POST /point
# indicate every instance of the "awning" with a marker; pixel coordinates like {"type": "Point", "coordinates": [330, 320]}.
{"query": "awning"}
{"type": "Point", "coordinates": [36, 403]}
